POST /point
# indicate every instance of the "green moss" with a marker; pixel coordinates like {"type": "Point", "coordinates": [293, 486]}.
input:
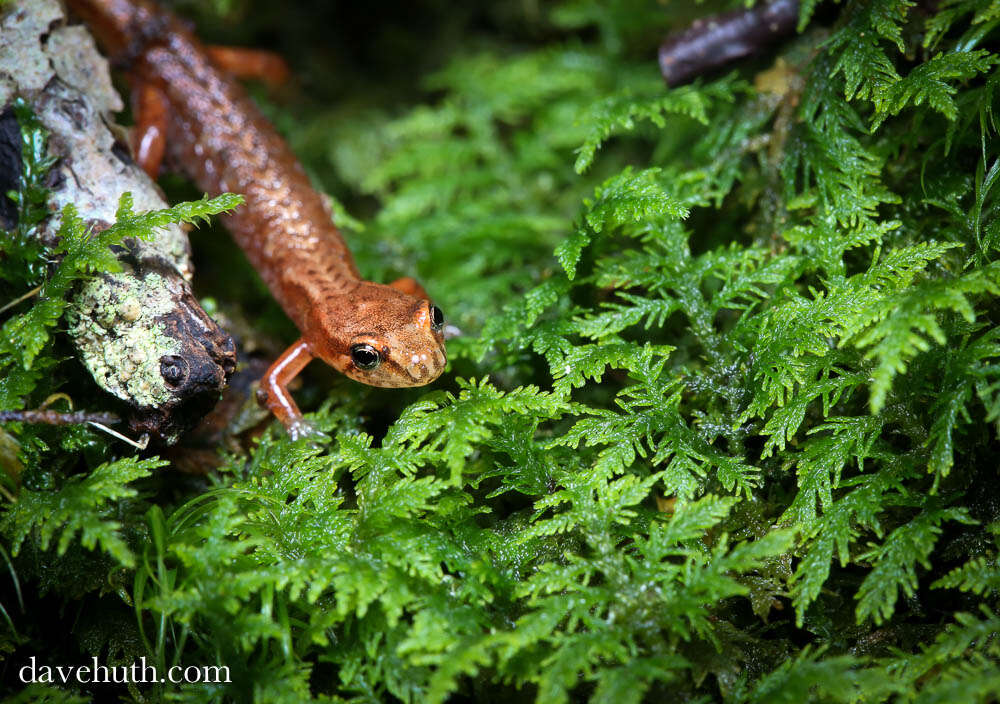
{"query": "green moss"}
{"type": "Point", "coordinates": [721, 426]}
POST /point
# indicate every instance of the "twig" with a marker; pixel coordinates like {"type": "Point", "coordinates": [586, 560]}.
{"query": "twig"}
{"type": "Point", "coordinates": [7, 495]}
{"type": "Point", "coordinates": [25, 297]}
{"type": "Point", "coordinates": [101, 421]}
{"type": "Point", "coordinates": [57, 396]}
{"type": "Point", "coordinates": [47, 417]}
{"type": "Point", "coordinates": [142, 443]}
{"type": "Point", "coordinates": [714, 41]}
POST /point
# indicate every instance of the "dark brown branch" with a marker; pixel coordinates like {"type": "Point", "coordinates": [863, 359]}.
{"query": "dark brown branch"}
{"type": "Point", "coordinates": [714, 41]}
{"type": "Point", "coordinates": [47, 417]}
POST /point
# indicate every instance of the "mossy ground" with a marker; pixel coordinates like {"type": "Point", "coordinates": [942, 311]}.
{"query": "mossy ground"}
{"type": "Point", "coordinates": [722, 424]}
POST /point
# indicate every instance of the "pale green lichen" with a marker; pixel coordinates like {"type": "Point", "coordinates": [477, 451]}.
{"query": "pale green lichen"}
{"type": "Point", "coordinates": [114, 325]}
{"type": "Point", "coordinates": [122, 324]}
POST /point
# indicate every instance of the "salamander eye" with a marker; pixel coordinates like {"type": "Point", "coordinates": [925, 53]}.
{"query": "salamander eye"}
{"type": "Point", "coordinates": [437, 318]}
{"type": "Point", "coordinates": [365, 356]}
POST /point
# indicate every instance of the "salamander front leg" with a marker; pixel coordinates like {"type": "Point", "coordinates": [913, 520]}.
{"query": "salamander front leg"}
{"type": "Point", "coordinates": [250, 63]}
{"type": "Point", "coordinates": [409, 286]}
{"type": "Point", "coordinates": [149, 136]}
{"type": "Point", "coordinates": [274, 389]}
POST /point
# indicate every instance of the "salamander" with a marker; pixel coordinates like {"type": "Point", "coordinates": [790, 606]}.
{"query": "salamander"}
{"type": "Point", "coordinates": [191, 110]}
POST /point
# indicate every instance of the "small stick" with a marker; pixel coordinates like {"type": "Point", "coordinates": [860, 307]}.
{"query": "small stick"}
{"type": "Point", "coordinates": [7, 495]}
{"type": "Point", "coordinates": [47, 417]}
{"type": "Point", "coordinates": [25, 297]}
{"type": "Point", "coordinates": [142, 443]}
{"type": "Point", "coordinates": [716, 40]}
{"type": "Point", "coordinates": [101, 421]}
{"type": "Point", "coordinates": [57, 396]}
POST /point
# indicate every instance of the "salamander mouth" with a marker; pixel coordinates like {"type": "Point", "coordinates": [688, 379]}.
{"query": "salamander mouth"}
{"type": "Point", "coordinates": [424, 368]}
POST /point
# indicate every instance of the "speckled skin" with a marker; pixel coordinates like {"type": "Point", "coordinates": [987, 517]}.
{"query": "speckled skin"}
{"type": "Point", "coordinates": [222, 141]}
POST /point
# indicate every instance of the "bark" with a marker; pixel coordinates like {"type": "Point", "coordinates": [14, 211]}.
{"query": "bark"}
{"type": "Point", "coordinates": [712, 42]}
{"type": "Point", "coordinates": [140, 333]}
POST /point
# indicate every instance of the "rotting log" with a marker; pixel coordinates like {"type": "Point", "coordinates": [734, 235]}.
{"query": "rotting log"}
{"type": "Point", "coordinates": [140, 333]}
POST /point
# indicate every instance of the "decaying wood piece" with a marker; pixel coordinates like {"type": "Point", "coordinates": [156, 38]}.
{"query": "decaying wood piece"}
{"type": "Point", "coordinates": [48, 417]}
{"type": "Point", "coordinates": [714, 41]}
{"type": "Point", "coordinates": [141, 333]}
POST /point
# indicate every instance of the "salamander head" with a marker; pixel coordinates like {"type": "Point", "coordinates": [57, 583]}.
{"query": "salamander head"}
{"type": "Point", "coordinates": [382, 337]}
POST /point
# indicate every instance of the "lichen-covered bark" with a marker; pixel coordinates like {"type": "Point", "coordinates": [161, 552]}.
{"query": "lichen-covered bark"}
{"type": "Point", "coordinates": [141, 333]}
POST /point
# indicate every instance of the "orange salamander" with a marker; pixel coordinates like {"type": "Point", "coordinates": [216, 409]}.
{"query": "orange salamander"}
{"type": "Point", "coordinates": [189, 108]}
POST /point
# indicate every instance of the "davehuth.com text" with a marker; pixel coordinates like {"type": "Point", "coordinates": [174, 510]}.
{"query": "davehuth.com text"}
{"type": "Point", "coordinates": [139, 672]}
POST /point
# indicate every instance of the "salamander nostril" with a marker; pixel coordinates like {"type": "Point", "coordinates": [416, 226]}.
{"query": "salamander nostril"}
{"type": "Point", "coordinates": [437, 318]}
